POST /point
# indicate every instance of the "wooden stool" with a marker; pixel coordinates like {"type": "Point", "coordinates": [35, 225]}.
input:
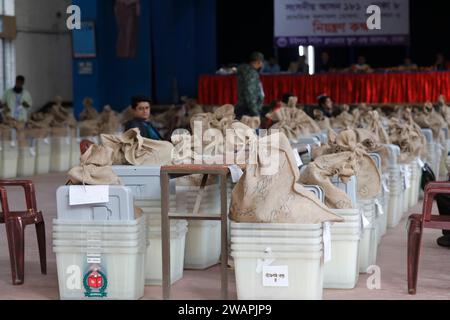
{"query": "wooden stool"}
{"type": "Point", "coordinates": [176, 171]}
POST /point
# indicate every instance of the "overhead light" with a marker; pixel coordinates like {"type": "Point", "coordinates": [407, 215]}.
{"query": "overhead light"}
{"type": "Point", "coordinates": [311, 60]}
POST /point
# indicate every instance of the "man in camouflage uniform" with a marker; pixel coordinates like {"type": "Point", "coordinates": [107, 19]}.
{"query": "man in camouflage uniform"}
{"type": "Point", "coordinates": [250, 89]}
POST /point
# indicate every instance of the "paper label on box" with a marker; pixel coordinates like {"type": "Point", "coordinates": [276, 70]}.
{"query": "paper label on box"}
{"type": "Point", "coordinates": [275, 276]}
{"type": "Point", "coordinates": [326, 242]}
{"type": "Point", "coordinates": [79, 195]}
{"type": "Point", "coordinates": [236, 173]}
{"type": "Point", "coordinates": [94, 258]}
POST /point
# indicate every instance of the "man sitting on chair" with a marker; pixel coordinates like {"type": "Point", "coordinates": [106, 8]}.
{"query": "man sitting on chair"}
{"type": "Point", "coordinates": [141, 108]}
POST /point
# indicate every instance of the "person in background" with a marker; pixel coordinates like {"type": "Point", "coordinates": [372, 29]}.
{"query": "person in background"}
{"type": "Point", "coordinates": [299, 67]}
{"type": "Point", "coordinates": [361, 66]}
{"type": "Point", "coordinates": [408, 65]}
{"type": "Point", "coordinates": [271, 66]}
{"type": "Point", "coordinates": [324, 64]}
{"type": "Point", "coordinates": [250, 89]}
{"type": "Point", "coordinates": [440, 64]}
{"type": "Point", "coordinates": [326, 106]}
{"type": "Point", "coordinates": [17, 101]}
{"type": "Point", "coordinates": [141, 107]}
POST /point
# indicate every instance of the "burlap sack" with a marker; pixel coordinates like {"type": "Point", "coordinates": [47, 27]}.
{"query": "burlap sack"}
{"type": "Point", "coordinates": [323, 122]}
{"type": "Point", "coordinates": [430, 119]}
{"type": "Point", "coordinates": [95, 168]}
{"type": "Point", "coordinates": [131, 148]}
{"type": "Point", "coordinates": [89, 112]}
{"type": "Point", "coordinates": [367, 174]}
{"type": "Point", "coordinates": [326, 167]}
{"type": "Point", "coordinates": [266, 196]}
{"type": "Point", "coordinates": [108, 122]}
{"type": "Point", "coordinates": [126, 115]}
{"type": "Point", "coordinates": [58, 132]}
{"type": "Point", "coordinates": [40, 121]}
{"type": "Point", "coordinates": [251, 122]}
{"type": "Point", "coordinates": [376, 127]}
{"type": "Point", "coordinates": [61, 116]}
{"type": "Point", "coordinates": [293, 122]}
{"type": "Point", "coordinates": [88, 128]}
{"type": "Point", "coordinates": [344, 120]}
{"type": "Point", "coordinates": [408, 136]}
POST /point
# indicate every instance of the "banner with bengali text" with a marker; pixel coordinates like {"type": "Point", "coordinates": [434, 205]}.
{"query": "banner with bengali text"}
{"type": "Point", "coordinates": [339, 23]}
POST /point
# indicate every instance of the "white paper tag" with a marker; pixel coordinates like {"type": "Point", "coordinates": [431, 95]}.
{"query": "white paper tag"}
{"type": "Point", "coordinates": [79, 195]}
{"type": "Point", "coordinates": [236, 173]}
{"type": "Point", "coordinates": [46, 141]}
{"type": "Point", "coordinates": [366, 223]}
{"type": "Point", "coordinates": [420, 162]}
{"type": "Point", "coordinates": [379, 207]}
{"type": "Point", "coordinates": [326, 242]}
{"type": "Point", "coordinates": [13, 143]}
{"type": "Point", "coordinates": [298, 160]}
{"type": "Point", "coordinates": [276, 276]}
{"type": "Point", "coordinates": [385, 187]}
{"type": "Point", "coordinates": [68, 140]}
{"type": "Point", "coordinates": [33, 151]}
{"type": "Point", "coordinates": [94, 258]}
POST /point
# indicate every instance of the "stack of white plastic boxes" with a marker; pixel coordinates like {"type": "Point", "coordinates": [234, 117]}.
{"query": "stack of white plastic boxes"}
{"type": "Point", "coordinates": [395, 188]}
{"type": "Point", "coordinates": [61, 147]}
{"type": "Point", "coordinates": [100, 248]}
{"type": "Point", "coordinates": [144, 182]}
{"type": "Point", "coordinates": [278, 261]}
{"type": "Point", "coordinates": [380, 213]}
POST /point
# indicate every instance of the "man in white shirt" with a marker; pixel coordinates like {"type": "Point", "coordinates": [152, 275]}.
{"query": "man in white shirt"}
{"type": "Point", "coordinates": [17, 101]}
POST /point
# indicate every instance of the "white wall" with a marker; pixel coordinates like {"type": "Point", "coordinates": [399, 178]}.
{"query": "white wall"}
{"type": "Point", "coordinates": [43, 49]}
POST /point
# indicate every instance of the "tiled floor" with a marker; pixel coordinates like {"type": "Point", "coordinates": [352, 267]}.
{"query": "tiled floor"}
{"type": "Point", "coordinates": [434, 277]}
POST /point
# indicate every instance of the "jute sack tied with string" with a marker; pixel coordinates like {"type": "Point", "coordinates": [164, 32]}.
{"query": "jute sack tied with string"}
{"type": "Point", "coordinates": [251, 122]}
{"type": "Point", "coordinates": [367, 174]}
{"type": "Point", "coordinates": [323, 122]}
{"type": "Point", "coordinates": [321, 170]}
{"type": "Point", "coordinates": [264, 195]}
{"type": "Point", "coordinates": [95, 168]}
{"type": "Point", "coordinates": [293, 122]}
{"type": "Point", "coordinates": [131, 148]}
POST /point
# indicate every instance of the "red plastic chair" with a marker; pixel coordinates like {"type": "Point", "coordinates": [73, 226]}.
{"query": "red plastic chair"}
{"type": "Point", "coordinates": [15, 222]}
{"type": "Point", "coordinates": [417, 222]}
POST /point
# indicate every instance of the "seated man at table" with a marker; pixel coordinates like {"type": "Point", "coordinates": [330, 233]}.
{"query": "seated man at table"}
{"type": "Point", "coordinates": [250, 89]}
{"type": "Point", "coordinates": [141, 107]}
{"type": "Point", "coordinates": [408, 65]}
{"type": "Point", "coordinates": [361, 66]}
